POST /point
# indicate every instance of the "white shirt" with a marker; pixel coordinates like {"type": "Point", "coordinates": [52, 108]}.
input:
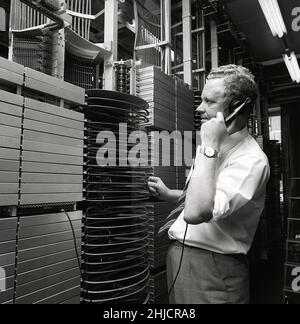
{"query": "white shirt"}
{"type": "Point", "coordinates": [242, 175]}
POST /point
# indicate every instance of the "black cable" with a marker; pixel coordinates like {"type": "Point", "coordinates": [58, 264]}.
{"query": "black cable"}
{"type": "Point", "coordinates": [76, 250]}
{"type": "Point", "coordinates": [74, 239]}
{"type": "Point", "coordinates": [181, 260]}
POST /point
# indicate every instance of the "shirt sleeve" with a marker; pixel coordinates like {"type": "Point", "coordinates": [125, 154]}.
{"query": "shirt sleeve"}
{"type": "Point", "coordinates": [238, 183]}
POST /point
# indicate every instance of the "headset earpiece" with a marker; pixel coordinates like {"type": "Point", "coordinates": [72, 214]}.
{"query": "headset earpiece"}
{"type": "Point", "coordinates": [234, 105]}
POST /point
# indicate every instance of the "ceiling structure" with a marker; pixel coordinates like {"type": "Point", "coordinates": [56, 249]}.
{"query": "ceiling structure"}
{"type": "Point", "coordinates": [251, 29]}
{"type": "Point", "coordinates": [267, 50]}
{"type": "Point", "coordinates": [250, 21]}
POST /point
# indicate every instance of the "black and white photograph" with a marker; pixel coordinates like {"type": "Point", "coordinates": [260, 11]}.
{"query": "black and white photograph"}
{"type": "Point", "coordinates": [149, 160]}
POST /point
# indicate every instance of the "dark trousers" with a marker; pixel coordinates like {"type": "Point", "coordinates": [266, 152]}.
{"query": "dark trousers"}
{"type": "Point", "coordinates": [207, 277]}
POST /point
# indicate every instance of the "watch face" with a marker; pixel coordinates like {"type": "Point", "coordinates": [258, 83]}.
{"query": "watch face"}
{"type": "Point", "coordinates": [210, 152]}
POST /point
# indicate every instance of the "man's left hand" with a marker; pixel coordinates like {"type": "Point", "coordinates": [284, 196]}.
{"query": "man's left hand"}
{"type": "Point", "coordinates": [214, 132]}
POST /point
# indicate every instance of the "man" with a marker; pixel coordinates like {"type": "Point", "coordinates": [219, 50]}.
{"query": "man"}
{"type": "Point", "coordinates": [224, 199]}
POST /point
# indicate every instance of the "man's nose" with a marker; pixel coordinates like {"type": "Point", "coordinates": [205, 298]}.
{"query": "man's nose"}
{"type": "Point", "coordinates": [201, 109]}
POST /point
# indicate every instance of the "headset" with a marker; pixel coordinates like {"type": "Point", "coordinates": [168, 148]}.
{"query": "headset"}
{"type": "Point", "coordinates": [235, 108]}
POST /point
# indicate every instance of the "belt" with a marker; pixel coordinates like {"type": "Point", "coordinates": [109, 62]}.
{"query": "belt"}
{"type": "Point", "coordinates": [239, 256]}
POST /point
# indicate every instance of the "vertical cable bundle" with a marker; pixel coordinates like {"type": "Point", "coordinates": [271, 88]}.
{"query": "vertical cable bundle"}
{"type": "Point", "coordinates": [115, 260]}
{"type": "Point", "coordinates": [26, 51]}
{"type": "Point", "coordinates": [81, 23]}
{"type": "Point", "coordinates": [149, 31]}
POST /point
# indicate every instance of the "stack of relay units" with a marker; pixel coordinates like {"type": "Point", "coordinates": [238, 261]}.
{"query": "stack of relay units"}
{"type": "Point", "coordinates": [171, 108]}
{"type": "Point", "coordinates": [116, 238]}
{"type": "Point", "coordinates": [41, 175]}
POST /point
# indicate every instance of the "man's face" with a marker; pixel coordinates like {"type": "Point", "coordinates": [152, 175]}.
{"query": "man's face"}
{"type": "Point", "coordinates": [213, 100]}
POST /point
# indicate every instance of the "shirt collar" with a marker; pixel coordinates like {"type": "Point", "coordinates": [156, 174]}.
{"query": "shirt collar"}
{"type": "Point", "coordinates": [233, 140]}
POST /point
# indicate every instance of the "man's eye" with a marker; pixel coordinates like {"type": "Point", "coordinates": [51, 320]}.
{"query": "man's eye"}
{"type": "Point", "coordinates": [207, 101]}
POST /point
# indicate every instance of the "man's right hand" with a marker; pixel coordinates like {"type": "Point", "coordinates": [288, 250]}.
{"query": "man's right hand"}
{"type": "Point", "coordinates": [158, 189]}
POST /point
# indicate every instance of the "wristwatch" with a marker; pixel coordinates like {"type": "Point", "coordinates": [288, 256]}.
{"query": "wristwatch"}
{"type": "Point", "coordinates": [210, 152]}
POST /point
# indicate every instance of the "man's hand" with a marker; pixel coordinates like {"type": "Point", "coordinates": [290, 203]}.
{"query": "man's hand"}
{"type": "Point", "coordinates": [158, 189]}
{"type": "Point", "coordinates": [214, 132]}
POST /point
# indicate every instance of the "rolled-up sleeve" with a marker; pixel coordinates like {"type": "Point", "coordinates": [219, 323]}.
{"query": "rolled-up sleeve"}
{"type": "Point", "coordinates": [240, 181]}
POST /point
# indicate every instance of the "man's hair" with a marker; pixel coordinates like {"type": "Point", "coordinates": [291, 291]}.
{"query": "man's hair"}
{"type": "Point", "coordinates": [239, 82]}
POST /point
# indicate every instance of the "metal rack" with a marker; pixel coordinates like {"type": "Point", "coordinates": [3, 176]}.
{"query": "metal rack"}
{"type": "Point", "coordinates": [41, 163]}
{"type": "Point", "coordinates": [170, 109]}
{"type": "Point", "coordinates": [189, 45]}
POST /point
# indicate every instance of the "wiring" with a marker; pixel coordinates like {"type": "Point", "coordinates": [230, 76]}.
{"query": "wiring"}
{"type": "Point", "coordinates": [74, 239]}
{"type": "Point", "coordinates": [76, 249]}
